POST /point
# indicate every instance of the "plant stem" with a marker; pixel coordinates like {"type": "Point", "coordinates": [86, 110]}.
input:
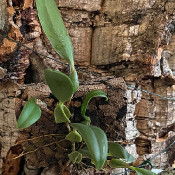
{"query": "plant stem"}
{"type": "Point", "coordinates": [68, 127]}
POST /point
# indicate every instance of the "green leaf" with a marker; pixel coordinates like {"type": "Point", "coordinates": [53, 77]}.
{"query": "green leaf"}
{"type": "Point", "coordinates": [54, 28]}
{"type": "Point", "coordinates": [87, 121]}
{"type": "Point", "coordinates": [74, 136]}
{"type": "Point", "coordinates": [61, 113]}
{"type": "Point", "coordinates": [75, 157]}
{"type": "Point", "coordinates": [118, 151]}
{"type": "Point", "coordinates": [96, 141]}
{"type": "Point", "coordinates": [66, 111]}
{"type": "Point", "coordinates": [85, 152]}
{"type": "Point", "coordinates": [74, 78]}
{"type": "Point", "coordinates": [29, 115]}
{"type": "Point", "coordinates": [117, 163]}
{"type": "Point", "coordinates": [91, 94]}
{"type": "Point", "coordinates": [60, 84]}
{"type": "Point", "coordinates": [142, 171]}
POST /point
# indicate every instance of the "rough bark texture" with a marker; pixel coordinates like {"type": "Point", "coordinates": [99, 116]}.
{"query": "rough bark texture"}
{"type": "Point", "coordinates": [132, 39]}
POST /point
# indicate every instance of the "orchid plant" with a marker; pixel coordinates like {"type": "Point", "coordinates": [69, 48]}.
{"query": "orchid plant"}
{"type": "Point", "coordinates": [96, 146]}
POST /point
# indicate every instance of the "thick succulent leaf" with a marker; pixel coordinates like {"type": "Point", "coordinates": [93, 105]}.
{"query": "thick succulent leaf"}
{"type": "Point", "coordinates": [29, 115]}
{"type": "Point", "coordinates": [61, 113]}
{"type": "Point", "coordinates": [74, 136]}
{"type": "Point", "coordinates": [60, 84]}
{"type": "Point", "coordinates": [141, 171]}
{"type": "Point", "coordinates": [75, 157]}
{"type": "Point", "coordinates": [117, 163]}
{"type": "Point", "coordinates": [96, 141]}
{"type": "Point", "coordinates": [116, 150]}
{"type": "Point", "coordinates": [74, 78]}
{"type": "Point", "coordinates": [54, 28]}
{"type": "Point", "coordinates": [91, 94]}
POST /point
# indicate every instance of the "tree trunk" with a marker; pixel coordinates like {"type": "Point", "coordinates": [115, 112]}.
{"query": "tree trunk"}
{"type": "Point", "coordinates": [133, 40]}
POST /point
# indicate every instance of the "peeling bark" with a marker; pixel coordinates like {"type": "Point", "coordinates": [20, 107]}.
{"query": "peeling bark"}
{"type": "Point", "coordinates": [131, 39]}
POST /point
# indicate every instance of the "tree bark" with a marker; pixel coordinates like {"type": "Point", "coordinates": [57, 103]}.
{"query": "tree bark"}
{"type": "Point", "coordinates": [133, 40]}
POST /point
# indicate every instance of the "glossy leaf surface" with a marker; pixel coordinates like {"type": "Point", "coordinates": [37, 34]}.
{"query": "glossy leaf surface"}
{"type": "Point", "coordinates": [96, 142]}
{"type": "Point", "coordinates": [74, 136]}
{"type": "Point", "coordinates": [61, 113]}
{"type": "Point", "coordinates": [60, 84]}
{"type": "Point", "coordinates": [75, 157]}
{"type": "Point", "coordinates": [74, 78]}
{"type": "Point", "coordinates": [29, 115]}
{"type": "Point", "coordinates": [118, 151]}
{"type": "Point", "coordinates": [91, 94]}
{"type": "Point", "coordinates": [54, 28]}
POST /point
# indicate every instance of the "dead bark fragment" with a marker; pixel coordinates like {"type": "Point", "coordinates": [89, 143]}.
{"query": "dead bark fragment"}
{"type": "Point", "coordinates": [4, 16]}
{"type": "Point", "coordinates": [11, 165]}
{"type": "Point", "coordinates": [8, 129]}
{"type": "Point", "coordinates": [93, 5]}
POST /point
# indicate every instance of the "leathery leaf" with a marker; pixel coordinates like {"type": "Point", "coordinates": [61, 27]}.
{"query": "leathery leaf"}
{"type": "Point", "coordinates": [60, 84]}
{"type": "Point", "coordinates": [96, 142]}
{"type": "Point", "coordinates": [29, 115]}
{"type": "Point", "coordinates": [53, 26]}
